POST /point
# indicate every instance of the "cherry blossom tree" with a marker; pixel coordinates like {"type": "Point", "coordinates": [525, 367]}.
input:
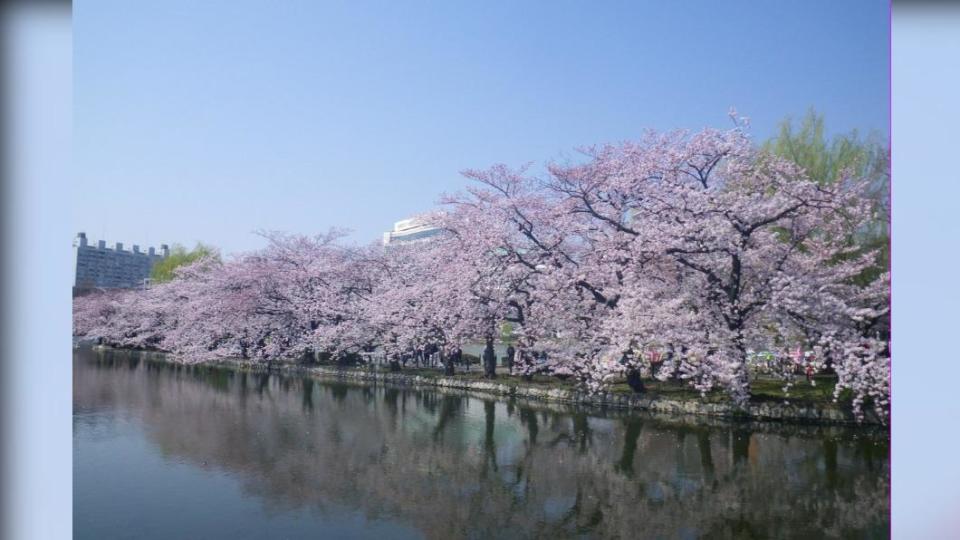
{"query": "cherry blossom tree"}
{"type": "Point", "coordinates": [407, 311]}
{"type": "Point", "coordinates": [718, 251]}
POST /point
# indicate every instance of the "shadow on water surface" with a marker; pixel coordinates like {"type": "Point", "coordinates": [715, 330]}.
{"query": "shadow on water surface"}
{"type": "Point", "coordinates": [453, 465]}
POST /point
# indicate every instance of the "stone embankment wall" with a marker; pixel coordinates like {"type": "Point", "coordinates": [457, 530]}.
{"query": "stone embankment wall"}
{"type": "Point", "coordinates": [777, 411]}
{"type": "Point", "coordinates": [754, 411]}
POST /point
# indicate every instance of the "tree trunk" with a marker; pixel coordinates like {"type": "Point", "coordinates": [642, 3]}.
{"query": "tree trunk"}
{"type": "Point", "coordinates": [635, 381]}
{"type": "Point", "coordinates": [489, 360]}
{"type": "Point", "coordinates": [742, 371]}
{"type": "Point", "coordinates": [447, 364]}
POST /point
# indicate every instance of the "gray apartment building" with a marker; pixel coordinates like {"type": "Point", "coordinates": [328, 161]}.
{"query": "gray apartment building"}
{"type": "Point", "coordinates": [113, 268]}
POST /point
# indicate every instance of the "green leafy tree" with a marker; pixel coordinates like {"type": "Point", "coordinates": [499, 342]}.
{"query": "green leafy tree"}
{"type": "Point", "coordinates": [843, 158]}
{"type": "Point", "coordinates": [164, 269]}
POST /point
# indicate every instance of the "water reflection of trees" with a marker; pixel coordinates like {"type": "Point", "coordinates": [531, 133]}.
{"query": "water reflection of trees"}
{"type": "Point", "coordinates": [456, 466]}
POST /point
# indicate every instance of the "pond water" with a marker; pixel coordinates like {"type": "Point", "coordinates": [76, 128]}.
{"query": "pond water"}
{"type": "Point", "coordinates": [164, 451]}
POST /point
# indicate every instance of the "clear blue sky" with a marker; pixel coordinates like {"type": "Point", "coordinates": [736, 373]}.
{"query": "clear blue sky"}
{"type": "Point", "coordinates": [209, 120]}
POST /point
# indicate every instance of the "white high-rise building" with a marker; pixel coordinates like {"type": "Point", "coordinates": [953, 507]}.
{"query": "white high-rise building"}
{"type": "Point", "coordinates": [409, 230]}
